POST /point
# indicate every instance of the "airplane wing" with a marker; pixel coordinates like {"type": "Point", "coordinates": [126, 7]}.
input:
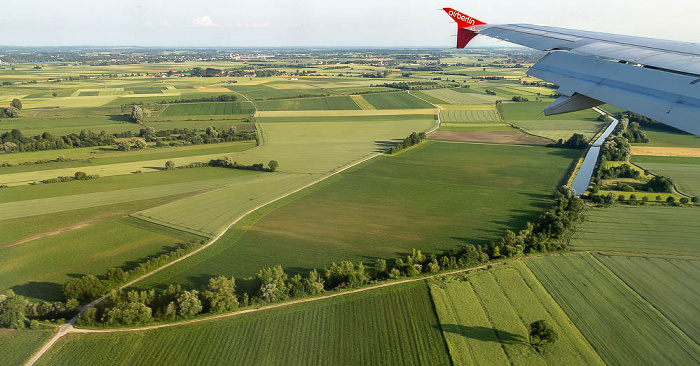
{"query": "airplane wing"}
{"type": "Point", "coordinates": [656, 78]}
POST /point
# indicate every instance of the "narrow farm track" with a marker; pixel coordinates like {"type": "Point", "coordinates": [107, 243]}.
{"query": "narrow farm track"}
{"type": "Point", "coordinates": [70, 325]}
{"type": "Point", "coordinates": [300, 301]}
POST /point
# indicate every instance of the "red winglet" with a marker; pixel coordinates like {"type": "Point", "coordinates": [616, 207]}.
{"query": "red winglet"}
{"type": "Point", "coordinates": [463, 20]}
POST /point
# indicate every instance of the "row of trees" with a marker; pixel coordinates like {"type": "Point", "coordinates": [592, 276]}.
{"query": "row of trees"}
{"type": "Point", "coordinates": [273, 284]}
{"type": "Point", "coordinates": [19, 313]}
{"type": "Point", "coordinates": [218, 98]}
{"type": "Point", "coordinates": [414, 85]}
{"type": "Point", "coordinates": [610, 198]}
{"type": "Point", "coordinates": [15, 141]}
{"type": "Point", "coordinates": [228, 162]}
{"type": "Point", "coordinates": [413, 139]}
{"type": "Point", "coordinates": [90, 287]}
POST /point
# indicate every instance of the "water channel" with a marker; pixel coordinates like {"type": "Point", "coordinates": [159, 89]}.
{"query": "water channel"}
{"type": "Point", "coordinates": [583, 177]}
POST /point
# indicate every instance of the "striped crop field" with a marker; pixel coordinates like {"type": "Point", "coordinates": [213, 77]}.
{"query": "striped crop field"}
{"type": "Point", "coordinates": [390, 326]}
{"type": "Point", "coordinates": [641, 229]}
{"type": "Point", "coordinates": [16, 346]}
{"type": "Point", "coordinates": [484, 317]}
{"type": "Point", "coordinates": [396, 100]}
{"type": "Point", "coordinates": [362, 102]}
{"type": "Point", "coordinates": [669, 283]}
{"type": "Point", "coordinates": [206, 109]}
{"type": "Point", "coordinates": [622, 327]}
{"type": "Point", "coordinates": [302, 104]}
{"type": "Point", "coordinates": [467, 116]}
{"type": "Point", "coordinates": [454, 97]}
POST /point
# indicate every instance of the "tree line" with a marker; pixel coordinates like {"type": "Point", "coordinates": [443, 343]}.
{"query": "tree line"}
{"type": "Point", "coordinates": [15, 141]}
{"type": "Point", "coordinates": [274, 284]}
{"type": "Point", "coordinates": [219, 98]}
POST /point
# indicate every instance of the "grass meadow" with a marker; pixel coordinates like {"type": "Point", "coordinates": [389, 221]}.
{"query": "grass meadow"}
{"type": "Point", "coordinates": [670, 284]}
{"type": "Point", "coordinates": [434, 198]}
{"type": "Point", "coordinates": [390, 326]}
{"type": "Point", "coordinates": [485, 315]}
{"type": "Point", "coordinates": [642, 229]}
{"type": "Point", "coordinates": [620, 325]}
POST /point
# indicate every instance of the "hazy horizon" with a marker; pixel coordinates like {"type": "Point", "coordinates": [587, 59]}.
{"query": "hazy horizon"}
{"type": "Point", "coordinates": [315, 23]}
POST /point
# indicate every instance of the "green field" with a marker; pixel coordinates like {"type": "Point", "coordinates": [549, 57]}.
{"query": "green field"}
{"type": "Point", "coordinates": [466, 116]}
{"type": "Point", "coordinates": [190, 109]}
{"type": "Point", "coordinates": [670, 138]}
{"type": "Point", "coordinates": [685, 172]}
{"type": "Point", "coordinates": [40, 206]}
{"type": "Point", "coordinates": [651, 229]}
{"type": "Point", "coordinates": [305, 152]}
{"type": "Point", "coordinates": [669, 284]}
{"type": "Point", "coordinates": [391, 326]}
{"type": "Point", "coordinates": [119, 182]}
{"type": "Point", "coordinates": [152, 160]}
{"type": "Point", "coordinates": [303, 104]}
{"type": "Point", "coordinates": [450, 96]}
{"type": "Point", "coordinates": [37, 269]}
{"type": "Point", "coordinates": [21, 228]}
{"type": "Point", "coordinates": [434, 198]}
{"type": "Point", "coordinates": [108, 155]}
{"type": "Point", "coordinates": [261, 92]}
{"type": "Point", "coordinates": [620, 325]}
{"type": "Point", "coordinates": [484, 317]}
{"type": "Point", "coordinates": [395, 100]}
{"type": "Point", "coordinates": [16, 346]}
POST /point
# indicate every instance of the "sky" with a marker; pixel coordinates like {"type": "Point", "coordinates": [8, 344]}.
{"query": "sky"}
{"type": "Point", "coordinates": [322, 23]}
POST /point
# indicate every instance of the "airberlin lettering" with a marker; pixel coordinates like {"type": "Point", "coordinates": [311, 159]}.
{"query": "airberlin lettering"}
{"type": "Point", "coordinates": [459, 16]}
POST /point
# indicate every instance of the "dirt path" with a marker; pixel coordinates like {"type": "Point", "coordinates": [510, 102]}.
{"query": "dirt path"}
{"type": "Point", "coordinates": [49, 233]}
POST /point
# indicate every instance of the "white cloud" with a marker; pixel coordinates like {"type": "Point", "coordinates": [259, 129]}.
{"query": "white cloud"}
{"type": "Point", "coordinates": [204, 21]}
{"type": "Point", "coordinates": [147, 23]}
{"type": "Point", "coordinates": [165, 23]}
{"type": "Point", "coordinates": [142, 6]}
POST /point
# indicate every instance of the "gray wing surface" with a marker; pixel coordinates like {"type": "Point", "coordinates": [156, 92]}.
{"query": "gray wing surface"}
{"type": "Point", "coordinates": [659, 79]}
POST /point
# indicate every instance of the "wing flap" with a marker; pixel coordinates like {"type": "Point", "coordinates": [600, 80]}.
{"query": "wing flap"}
{"type": "Point", "coordinates": [670, 98]}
